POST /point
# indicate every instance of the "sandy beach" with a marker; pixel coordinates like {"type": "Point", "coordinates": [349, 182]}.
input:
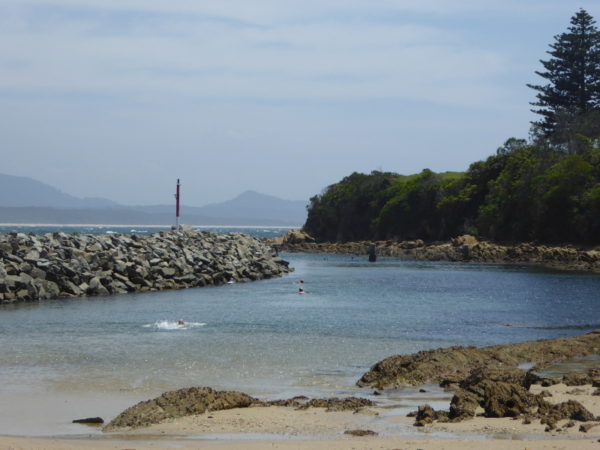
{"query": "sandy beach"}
{"type": "Point", "coordinates": [314, 428]}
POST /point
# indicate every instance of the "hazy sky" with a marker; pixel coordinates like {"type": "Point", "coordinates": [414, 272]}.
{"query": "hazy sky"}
{"type": "Point", "coordinates": [119, 98]}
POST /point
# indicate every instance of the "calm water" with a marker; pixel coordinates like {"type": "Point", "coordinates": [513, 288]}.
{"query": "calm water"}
{"type": "Point", "coordinates": [265, 339]}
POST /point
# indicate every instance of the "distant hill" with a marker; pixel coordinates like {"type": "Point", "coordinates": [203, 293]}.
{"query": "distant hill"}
{"type": "Point", "coordinates": [25, 200]}
{"type": "Point", "coordinates": [23, 191]}
{"type": "Point", "coordinates": [254, 205]}
{"type": "Point", "coordinates": [248, 208]}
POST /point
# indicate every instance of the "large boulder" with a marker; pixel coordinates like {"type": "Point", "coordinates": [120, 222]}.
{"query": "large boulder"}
{"type": "Point", "coordinates": [180, 403]}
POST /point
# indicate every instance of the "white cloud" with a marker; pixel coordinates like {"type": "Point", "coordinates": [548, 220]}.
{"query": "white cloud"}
{"type": "Point", "coordinates": [114, 85]}
{"type": "Point", "coordinates": [189, 56]}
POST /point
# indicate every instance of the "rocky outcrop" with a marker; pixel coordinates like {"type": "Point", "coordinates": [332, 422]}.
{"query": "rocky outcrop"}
{"type": "Point", "coordinates": [502, 392]}
{"type": "Point", "coordinates": [330, 404]}
{"type": "Point", "coordinates": [37, 267]}
{"type": "Point", "coordinates": [180, 403]}
{"type": "Point", "coordinates": [454, 364]}
{"type": "Point", "coordinates": [463, 248]}
{"type": "Point", "coordinates": [489, 378]}
{"type": "Point", "coordinates": [198, 400]}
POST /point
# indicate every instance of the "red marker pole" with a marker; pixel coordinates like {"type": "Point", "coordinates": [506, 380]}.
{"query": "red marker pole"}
{"type": "Point", "coordinates": [177, 194]}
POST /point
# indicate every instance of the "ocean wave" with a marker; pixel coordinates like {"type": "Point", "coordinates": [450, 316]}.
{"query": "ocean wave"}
{"type": "Point", "coordinates": [173, 325]}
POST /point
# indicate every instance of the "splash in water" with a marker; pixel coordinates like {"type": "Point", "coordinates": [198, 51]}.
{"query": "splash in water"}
{"type": "Point", "coordinates": [173, 325]}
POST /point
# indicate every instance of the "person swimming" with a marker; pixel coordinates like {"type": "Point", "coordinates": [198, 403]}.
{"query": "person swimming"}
{"type": "Point", "coordinates": [180, 322]}
{"type": "Point", "coordinates": [301, 291]}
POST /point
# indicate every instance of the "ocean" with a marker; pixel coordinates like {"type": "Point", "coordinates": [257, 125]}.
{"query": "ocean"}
{"type": "Point", "coordinates": [71, 358]}
{"type": "Point", "coordinates": [256, 231]}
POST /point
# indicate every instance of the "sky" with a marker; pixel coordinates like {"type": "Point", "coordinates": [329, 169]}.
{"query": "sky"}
{"type": "Point", "coordinates": [120, 98]}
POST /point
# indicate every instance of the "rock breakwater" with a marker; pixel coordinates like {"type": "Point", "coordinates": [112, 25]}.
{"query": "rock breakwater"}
{"type": "Point", "coordinates": [58, 265]}
{"type": "Point", "coordinates": [465, 248]}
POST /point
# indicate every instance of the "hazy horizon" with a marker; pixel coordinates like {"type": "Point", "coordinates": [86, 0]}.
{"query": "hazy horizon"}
{"type": "Point", "coordinates": [120, 98]}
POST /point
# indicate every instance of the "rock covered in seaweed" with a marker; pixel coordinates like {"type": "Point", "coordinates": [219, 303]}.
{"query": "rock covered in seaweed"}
{"type": "Point", "coordinates": [179, 403]}
{"type": "Point", "coordinates": [453, 364]}
{"type": "Point", "coordinates": [199, 400]}
{"type": "Point", "coordinates": [503, 392]}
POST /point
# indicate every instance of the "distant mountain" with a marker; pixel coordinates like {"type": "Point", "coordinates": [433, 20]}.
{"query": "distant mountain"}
{"type": "Point", "coordinates": [248, 208]}
{"type": "Point", "coordinates": [25, 200]}
{"type": "Point", "coordinates": [23, 191]}
{"type": "Point", "coordinates": [252, 204]}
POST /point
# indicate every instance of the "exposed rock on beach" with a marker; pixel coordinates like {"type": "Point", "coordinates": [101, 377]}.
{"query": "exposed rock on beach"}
{"type": "Point", "coordinates": [488, 379]}
{"type": "Point", "coordinates": [454, 364]}
{"type": "Point", "coordinates": [463, 248]}
{"type": "Point", "coordinates": [196, 401]}
{"type": "Point", "coordinates": [58, 265]}
{"type": "Point", "coordinates": [180, 403]}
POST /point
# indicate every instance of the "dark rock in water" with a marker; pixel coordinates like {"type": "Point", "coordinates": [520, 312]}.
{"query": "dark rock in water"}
{"type": "Point", "coordinates": [372, 254]}
{"type": "Point", "coordinates": [360, 432]}
{"type": "Point", "coordinates": [90, 420]}
{"type": "Point", "coordinates": [180, 403]}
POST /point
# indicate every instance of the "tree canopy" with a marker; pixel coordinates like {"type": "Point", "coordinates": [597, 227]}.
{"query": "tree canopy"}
{"type": "Point", "coordinates": [522, 193]}
{"type": "Point", "coordinates": [572, 73]}
{"type": "Point", "coordinates": [526, 191]}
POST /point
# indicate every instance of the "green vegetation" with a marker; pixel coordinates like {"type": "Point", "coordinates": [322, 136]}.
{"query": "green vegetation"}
{"type": "Point", "coordinates": [547, 190]}
{"type": "Point", "coordinates": [572, 96]}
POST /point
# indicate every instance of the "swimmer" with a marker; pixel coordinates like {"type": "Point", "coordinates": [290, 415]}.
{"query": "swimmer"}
{"type": "Point", "coordinates": [301, 291]}
{"type": "Point", "coordinates": [180, 322]}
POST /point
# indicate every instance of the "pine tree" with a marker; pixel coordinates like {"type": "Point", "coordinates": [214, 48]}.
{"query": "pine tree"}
{"type": "Point", "coordinates": [573, 75]}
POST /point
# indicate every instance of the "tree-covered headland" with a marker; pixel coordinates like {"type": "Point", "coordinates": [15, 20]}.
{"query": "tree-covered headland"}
{"type": "Point", "coordinates": [545, 189]}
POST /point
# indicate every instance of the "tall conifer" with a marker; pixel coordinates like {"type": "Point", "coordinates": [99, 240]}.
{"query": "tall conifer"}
{"type": "Point", "coordinates": [573, 75]}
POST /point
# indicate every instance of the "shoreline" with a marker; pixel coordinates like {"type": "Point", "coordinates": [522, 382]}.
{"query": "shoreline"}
{"type": "Point", "coordinates": [315, 428]}
{"type": "Point", "coordinates": [465, 248]}
{"type": "Point", "coordinates": [284, 425]}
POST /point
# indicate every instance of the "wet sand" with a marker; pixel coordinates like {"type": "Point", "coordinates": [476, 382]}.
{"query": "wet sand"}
{"type": "Point", "coordinates": [287, 428]}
